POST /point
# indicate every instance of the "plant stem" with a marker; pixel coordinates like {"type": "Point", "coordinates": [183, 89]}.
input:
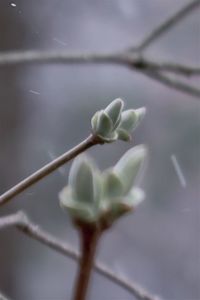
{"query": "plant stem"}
{"type": "Point", "coordinates": [89, 237]}
{"type": "Point", "coordinates": [48, 168]}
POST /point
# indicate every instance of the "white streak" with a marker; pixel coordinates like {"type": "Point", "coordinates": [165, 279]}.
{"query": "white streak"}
{"type": "Point", "coordinates": [60, 42]}
{"type": "Point", "coordinates": [34, 92]}
{"type": "Point", "coordinates": [13, 4]}
{"type": "Point", "coordinates": [178, 170]}
{"type": "Point", "coordinates": [61, 170]}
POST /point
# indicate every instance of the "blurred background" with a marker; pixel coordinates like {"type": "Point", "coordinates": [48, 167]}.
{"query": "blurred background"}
{"type": "Point", "coordinates": [46, 109]}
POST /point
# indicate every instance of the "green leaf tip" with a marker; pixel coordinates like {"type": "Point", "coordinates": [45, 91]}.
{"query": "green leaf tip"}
{"type": "Point", "coordinates": [130, 166]}
{"type": "Point", "coordinates": [92, 196]}
{"type": "Point", "coordinates": [114, 110]}
{"type": "Point", "coordinates": [113, 123]}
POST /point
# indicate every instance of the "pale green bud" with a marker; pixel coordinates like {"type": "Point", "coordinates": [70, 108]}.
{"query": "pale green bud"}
{"type": "Point", "coordinates": [120, 206]}
{"type": "Point", "coordinates": [134, 197]}
{"type": "Point", "coordinates": [120, 193]}
{"type": "Point", "coordinates": [93, 197]}
{"type": "Point", "coordinates": [111, 123]}
{"type": "Point", "coordinates": [129, 120]}
{"type": "Point", "coordinates": [140, 113]}
{"type": "Point", "coordinates": [123, 135]}
{"type": "Point", "coordinates": [81, 197]}
{"type": "Point", "coordinates": [112, 185]}
{"type": "Point", "coordinates": [102, 123]}
{"type": "Point", "coordinates": [129, 166]}
{"type": "Point", "coordinates": [76, 209]}
{"type": "Point", "coordinates": [81, 179]}
{"type": "Point", "coordinates": [105, 122]}
{"type": "Point", "coordinates": [114, 110]}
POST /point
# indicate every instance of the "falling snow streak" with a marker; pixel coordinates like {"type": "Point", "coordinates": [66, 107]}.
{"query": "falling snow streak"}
{"type": "Point", "coordinates": [61, 170]}
{"type": "Point", "coordinates": [178, 170]}
{"type": "Point", "coordinates": [34, 92]}
{"type": "Point", "coordinates": [60, 42]}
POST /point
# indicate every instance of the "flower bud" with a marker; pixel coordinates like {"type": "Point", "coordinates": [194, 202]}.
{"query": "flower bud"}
{"type": "Point", "coordinates": [130, 165]}
{"type": "Point", "coordinates": [111, 123]}
{"type": "Point", "coordinates": [114, 110]}
{"type": "Point", "coordinates": [81, 197]}
{"type": "Point", "coordinates": [94, 197]}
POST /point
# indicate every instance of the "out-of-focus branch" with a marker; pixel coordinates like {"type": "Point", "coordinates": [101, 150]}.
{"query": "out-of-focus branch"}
{"type": "Point", "coordinates": [130, 57]}
{"type": "Point", "coordinates": [48, 168]}
{"type": "Point", "coordinates": [126, 58]}
{"type": "Point", "coordinates": [37, 56]}
{"type": "Point", "coordinates": [22, 223]}
{"type": "Point", "coordinates": [174, 68]}
{"type": "Point", "coordinates": [173, 83]}
{"type": "Point", "coordinates": [167, 25]}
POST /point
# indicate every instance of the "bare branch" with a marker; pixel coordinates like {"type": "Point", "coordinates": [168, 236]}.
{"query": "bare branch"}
{"type": "Point", "coordinates": [184, 70]}
{"type": "Point", "coordinates": [175, 84]}
{"type": "Point", "coordinates": [22, 223]}
{"type": "Point", "coordinates": [132, 287]}
{"type": "Point", "coordinates": [48, 168]}
{"type": "Point", "coordinates": [36, 56]}
{"type": "Point", "coordinates": [131, 57]}
{"type": "Point", "coordinates": [167, 25]}
{"type": "Point", "coordinates": [179, 69]}
{"type": "Point", "coordinates": [126, 58]}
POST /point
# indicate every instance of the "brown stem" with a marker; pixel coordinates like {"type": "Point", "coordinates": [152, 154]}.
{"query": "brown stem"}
{"type": "Point", "coordinates": [49, 168]}
{"type": "Point", "coordinates": [89, 236]}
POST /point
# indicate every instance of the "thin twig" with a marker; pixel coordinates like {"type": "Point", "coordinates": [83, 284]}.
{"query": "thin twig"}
{"type": "Point", "coordinates": [37, 56]}
{"type": "Point", "coordinates": [167, 25]}
{"type": "Point", "coordinates": [48, 168]}
{"type": "Point", "coordinates": [22, 223]}
{"type": "Point", "coordinates": [130, 57]}
{"type": "Point", "coordinates": [175, 84]}
{"type": "Point", "coordinates": [179, 69]}
{"type": "Point", "coordinates": [126, 58]}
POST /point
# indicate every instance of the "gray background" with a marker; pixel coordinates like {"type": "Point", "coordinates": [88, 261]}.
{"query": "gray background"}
{"type": "Point", "coordinates": [159, 245]}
